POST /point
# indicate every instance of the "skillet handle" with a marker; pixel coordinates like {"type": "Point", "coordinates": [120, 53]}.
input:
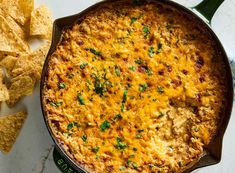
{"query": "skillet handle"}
{"type": "Point", "coordinates": [61, 163]}
{"type": "Point", "coordinates": [207, 8]}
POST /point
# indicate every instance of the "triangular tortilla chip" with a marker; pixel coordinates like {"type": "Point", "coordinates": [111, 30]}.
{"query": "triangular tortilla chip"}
{"type": "Point", "coordinates": [8, 63]}
{"type": "Point", "coordinates": [41, 22]}
{"type": "Point", "coordinates": [20, 87]}
{"type": "Point", "coordinates": [11, 22]}
{"type": "Point", "coordinates": [39, 55]}
{"type": "Point", "coordinates": [31, 64]}
{"type": "Point", "coordinates": [10, 127]}
{"type": "Point", "coordinates": [20, 10]}
{"type": "Point", "coordinates": [3, 55]}
{"type": "Point", "coordinates": [9, 41]}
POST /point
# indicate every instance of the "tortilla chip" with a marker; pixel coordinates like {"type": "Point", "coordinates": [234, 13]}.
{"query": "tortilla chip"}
{"type": "Point", "coordinates": [20, 87]}
{"type": "Point", "coordinates": [31, 64]}
{"type": "Point", "coordinates": [41, 22]}
{"type": "Point", "coordinates": [2, 55]}
{"type": "Point", "coordinates": [20, 10]}
{"type": "Point", "coordinates": [11, 22]}
{"type": "Point", "coordinates": [10, 127]}
{"type": "Point", "coordinates": [39, 55]}
{"type": "Point", "coordinates": [8, 63]}
{"type": "Point", "coordinates": [9, 41]}
{"type": "Point", "coordinates": [4, 94]}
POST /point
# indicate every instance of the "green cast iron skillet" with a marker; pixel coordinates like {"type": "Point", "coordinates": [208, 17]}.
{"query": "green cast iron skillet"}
{"type": "Point", "coordinates": [213, 151]}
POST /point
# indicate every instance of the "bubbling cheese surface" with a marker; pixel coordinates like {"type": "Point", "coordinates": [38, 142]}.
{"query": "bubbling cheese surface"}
{"type": "Point", "coordinates": [135, 88]}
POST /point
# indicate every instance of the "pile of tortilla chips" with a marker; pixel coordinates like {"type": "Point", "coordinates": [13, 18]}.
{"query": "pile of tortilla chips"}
{"type": "Point", "coordinates": [10, 128]}
{"type": "Point", "coordinates": [20, 67]}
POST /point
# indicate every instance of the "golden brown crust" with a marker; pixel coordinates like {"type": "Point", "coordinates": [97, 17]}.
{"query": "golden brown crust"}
{"type": "Point", "coordinates": [135, 89]}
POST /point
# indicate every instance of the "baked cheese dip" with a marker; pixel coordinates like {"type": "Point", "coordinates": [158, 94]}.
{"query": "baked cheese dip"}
{"type": "Point", "coordinates": [135, 87]}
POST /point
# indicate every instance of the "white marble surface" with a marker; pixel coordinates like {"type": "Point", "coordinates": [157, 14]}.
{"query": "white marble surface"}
{"type": "Point", "coordinates": [32, 152]}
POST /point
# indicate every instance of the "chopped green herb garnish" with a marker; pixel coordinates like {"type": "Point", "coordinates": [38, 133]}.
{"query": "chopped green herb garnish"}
{"type": "Point", "coordinates": [80, 99]}
{"type": "Point", "coordinates": [132, 155]}
{"type": "Point", "coordinates": [129, 32]}
{"type": "Point", "coordinates": [146, 31]}
{"type": "Point", "coordinates": [117, 70]}
{"type": "Point", "coordinates": [76, 124]}
{"type": "Point", "coordinates": [83, 65]}
{"type": "Point", "coordinates": [88, 84]}
{"type": "Point", "coordinates": [120, 145]}
{"type": "Point", "coordinates": [105, 76]}
{"type": "Point", "coordinates": [70, 76]}
{"type": "Point", "coordinates": [135, 166]}
{"type": "Point", "coordinates": [151, 52]}
{"type": "Point", "coordinates": [95, 149]}
{"type": "Point", "coordinates": [105, 125]}
{"type": "Point", "coordinates": [141, 130]}
{"type": "Point", "coordinates": [59, 104]}
{"type": "Point", "coordinates": [161, 114]}
{"type": "Point", "coordinates": [56, 104]}
{"type": "Point", "coordinates": [53, 104]}
{"type": "Point", "coordinates": [128, 162]}
{"type": "Point", "coordinates": [124, 96]}
{"type": "Point", "coordinates": [84, 137]}
{"type": "Point", "coordinates": [159, 47]}
{"type": "Point", "coordinates": [70, 126]}
{"type": "Point", "coordinates": [160, 89]}
{"type": "Point", "coordinates": [122, 168]}
{"type": "Point", "coordinates": [93, 59]}
{"type": "Point", "coordinates": [66, 134]}
{"type": "Point", "coordinates": [134, 149]}
{"type": "Point", "coordinates": [138, 61]}
{"type": "Point", "coordinates": [99, 87]}
{"type": "Point", "coordinates": [149, 72]}
{"type": "Point", "coordinates": [62, 85]}
{"type": "Point", "coordinates": [133, 20]}
{"type": "Point", "coordinates": [117, 117]}
{"type": "Point", "coordinates": [95, 52]}
{"type": "Point", "coordinates": [143, 87]}
{"type": "Point", "coordinates": [122, 107]}
{"type": "Point", "coordinates": [132, 68]}
{"type": "Point", "coordinates": [138, 136]}
{"type": "Point", "coordinates": [129, 85]}
{"type": "Point", "coordinates": [108, 83]}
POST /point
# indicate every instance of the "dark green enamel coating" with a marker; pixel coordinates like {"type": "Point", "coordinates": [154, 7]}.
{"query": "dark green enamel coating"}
{"type": "Point", "coordinates": [208, 8]}
{"type": "Point", "coordinates": [62, 164]}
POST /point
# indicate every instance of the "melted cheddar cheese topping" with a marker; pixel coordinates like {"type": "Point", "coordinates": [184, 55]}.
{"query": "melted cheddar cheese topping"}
{"type": "Point", "coordinates": [134, 88]}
